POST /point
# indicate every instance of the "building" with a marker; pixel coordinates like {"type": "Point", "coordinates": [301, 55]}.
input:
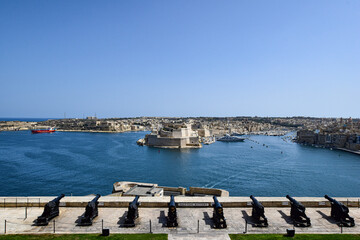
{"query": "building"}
{"type": "Point", "coordinates": [174, 135]}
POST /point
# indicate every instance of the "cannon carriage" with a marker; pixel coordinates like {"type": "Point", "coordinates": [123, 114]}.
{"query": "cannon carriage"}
{"type": "Point", "coordinates": [297, 213]}
{"type": "Point", "coordinates": [91, 212]}
{"type": "Point", "coordinates": [133, 213]}
{"type": "Point", "coordinates": [340, 213]}
{"type": "Point", "coordinates": [218, 215]}
{"type": "Point", "coordinates": [172, 215]}
{"type": "Point", "coordinates": [51, 210]}
{"type": "Point", "coordinates": [258, 213]}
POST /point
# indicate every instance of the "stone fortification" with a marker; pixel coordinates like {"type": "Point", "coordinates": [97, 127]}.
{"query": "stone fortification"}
{"type": "Point", "coordinates": [173, 136]}
{"type": "Point", "coordinates": [152, 189]}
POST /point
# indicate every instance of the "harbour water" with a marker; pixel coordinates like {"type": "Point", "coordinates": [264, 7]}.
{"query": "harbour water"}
{"type": "Point", "coordinates": [85, 163]}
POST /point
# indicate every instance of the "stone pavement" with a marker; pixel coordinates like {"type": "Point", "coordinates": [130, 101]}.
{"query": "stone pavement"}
{"type": "Point", "coordinates": [188, 219]}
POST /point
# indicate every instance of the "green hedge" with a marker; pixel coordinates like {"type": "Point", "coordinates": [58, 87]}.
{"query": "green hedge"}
{"type": "Point", "coordinates": [297, 236]}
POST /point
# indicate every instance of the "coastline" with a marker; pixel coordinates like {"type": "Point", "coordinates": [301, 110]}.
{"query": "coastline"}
{"type": "Point", "coordinates": [97, 131]}
{"type": "Point", "coordinates": [329, 148]}
{"type": "Point", "coordinates": [349, 151]}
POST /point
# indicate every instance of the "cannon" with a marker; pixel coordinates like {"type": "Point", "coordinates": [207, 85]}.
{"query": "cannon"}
{"type": "Point", "coordinates": [297, 213]}
{"type": "Point", "coordinates": [51, 210]}
{"type": "Point", "coordinates": [218, 215]}
{"type": "Point", "coordinates": [172, 216]}
{"type": "Point", "coordinates": [258, 213]}
{"type": "Point", "coordinates": [91, 212]}
{"type": "Point", "coordinates": [340, 213]}
{"type": "Point", "coordinates": [133, 213]}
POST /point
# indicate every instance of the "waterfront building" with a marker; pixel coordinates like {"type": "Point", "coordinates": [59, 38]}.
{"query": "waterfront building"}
{"type": "Point", "coordinates": [330, 138]}
{"type": "Point", "coordinates": [174, 136]}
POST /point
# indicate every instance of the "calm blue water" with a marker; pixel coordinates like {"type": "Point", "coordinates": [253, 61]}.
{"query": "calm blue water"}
{"type": "Point", "coordinates": [85, 163]}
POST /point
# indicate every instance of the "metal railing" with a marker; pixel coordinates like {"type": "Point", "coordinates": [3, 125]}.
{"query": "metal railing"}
{"type": "Point", "coordinates": [199, 226]}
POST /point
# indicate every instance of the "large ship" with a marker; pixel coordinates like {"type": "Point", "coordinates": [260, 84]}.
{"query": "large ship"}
{"type": "Point", "coordinates": [48, 130]}
{"type": "Point", "coordinates": [228, 138]}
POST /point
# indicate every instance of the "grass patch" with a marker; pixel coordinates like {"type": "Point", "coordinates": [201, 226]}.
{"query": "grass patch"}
{"type": "Point", "coordinates": [86, 236]}
{"type": "Point", "coordinates": [297, 236]}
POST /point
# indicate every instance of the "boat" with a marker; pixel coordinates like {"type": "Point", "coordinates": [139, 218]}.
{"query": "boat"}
{"type": "Point", "coordinates": [236, 134]}
{"type": "Point", "coordinates": [48, 130]}
{"type": "Point", "coordinates": [228, 138]}
{"type": "Point", "coordinates": [209, 140]}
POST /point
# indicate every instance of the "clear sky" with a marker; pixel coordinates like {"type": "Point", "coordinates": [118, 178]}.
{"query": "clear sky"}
{"type": "Point", "coordinates": [179, 58]}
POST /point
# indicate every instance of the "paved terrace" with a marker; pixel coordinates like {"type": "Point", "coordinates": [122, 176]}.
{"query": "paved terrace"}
{"type": "Point", "coordinates": [194, 215]}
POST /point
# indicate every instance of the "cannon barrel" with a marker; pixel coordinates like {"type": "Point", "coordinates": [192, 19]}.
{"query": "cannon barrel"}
{"type": "Point", "coordinates": [172, 201]}
{"type": "Point", "coordinates": [296, 203]}
{"type": "Point", "coordinates": [134, 203]}
{"type": "Point", "coordinates": [290, 198]}
{"type": "Point", "coordinates": [92, 205]}
{"type": "Point", "coordinates": [334, 201]}
{"type": "Point", "coordinates": [330, 199]}
{"type": "Point", "coordinates": [256, 203]}
{"type": "Point", "coordinates": [217, 203]}
{"type": "Point", "coordinates": [57, 199]}
{"type": "Point", "coordinates": [95, 198]}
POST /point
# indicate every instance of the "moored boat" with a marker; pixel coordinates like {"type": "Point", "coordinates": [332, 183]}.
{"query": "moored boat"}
{"type": "Point", "coordinates": [48, 130]}
{"type": "Point", "coordinates": [236, 134]}
{"type": "Point", "coordinates": [228, 138]}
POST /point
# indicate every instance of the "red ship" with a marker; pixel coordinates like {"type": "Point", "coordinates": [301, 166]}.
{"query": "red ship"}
{"type": "Point", "coordinates": [49, 130]}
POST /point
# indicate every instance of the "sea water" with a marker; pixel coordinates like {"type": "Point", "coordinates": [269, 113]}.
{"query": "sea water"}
{"type": "Point", "coordinates": [85, 163]}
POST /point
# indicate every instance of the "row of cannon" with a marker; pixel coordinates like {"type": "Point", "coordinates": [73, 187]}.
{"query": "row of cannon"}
{"type": "Point", "coordinates": [339, 212]}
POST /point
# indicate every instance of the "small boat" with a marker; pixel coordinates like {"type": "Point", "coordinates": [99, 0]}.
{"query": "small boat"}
{"type": "Point", "coordinates": [48, 130]}
{"type": "Point", "coordinates": [209, 140]}
{"type": "Point", "coordinates": [228, 138]}
{"type": "Point", "coordinates": [236, 134]}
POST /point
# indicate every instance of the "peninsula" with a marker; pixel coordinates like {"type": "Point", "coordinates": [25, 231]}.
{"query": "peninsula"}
{"type": "Point", "coordinates": [343, 134]}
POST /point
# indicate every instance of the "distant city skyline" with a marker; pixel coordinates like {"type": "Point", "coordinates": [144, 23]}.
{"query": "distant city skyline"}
{"type": "Point", "coordinates": [179, 58]}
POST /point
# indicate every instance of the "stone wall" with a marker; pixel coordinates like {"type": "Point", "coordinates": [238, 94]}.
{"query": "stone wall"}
{"type": "Point", "coordinates": [113, 201]}
{"type": "Point", "coordinates": [154, 140]}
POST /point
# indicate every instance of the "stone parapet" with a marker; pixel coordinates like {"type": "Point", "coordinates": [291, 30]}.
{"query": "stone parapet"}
{"type": "Point", "coordinates": [157, 202]}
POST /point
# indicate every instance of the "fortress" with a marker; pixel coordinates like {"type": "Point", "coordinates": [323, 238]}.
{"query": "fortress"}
{"type": "Point", "coordinates": [173, 136]}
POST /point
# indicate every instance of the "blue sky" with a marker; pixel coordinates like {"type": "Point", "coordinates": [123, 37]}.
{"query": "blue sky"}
{"type": "Point", "coordinates": [179, 58]}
